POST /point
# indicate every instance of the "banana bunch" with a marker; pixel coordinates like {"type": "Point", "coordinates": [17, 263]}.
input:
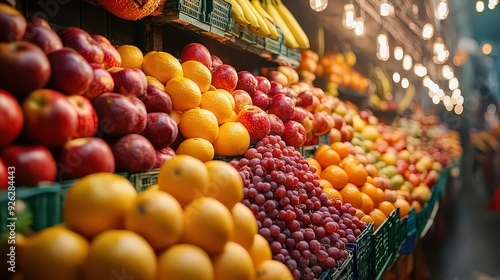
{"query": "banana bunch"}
{"type": "Point", "coordinates": [294, 35]}
{"type": "Point", "coordinates": [405, 102]}
{"type": "Point", "coordinates": [383, 84]}
{"type": "Point", "coordinates": [251, 15]}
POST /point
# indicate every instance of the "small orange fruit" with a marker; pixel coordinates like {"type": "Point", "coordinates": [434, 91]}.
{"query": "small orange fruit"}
{"type": "Point", "coordinates": [234, 116]}
{"type": "Point", "coordinates": [162, 65]}
{"type": "Point", "coordinates": [218, 103]}
{"type": "Point", "coordinates": [229, 96]}
{"type": "Point", "coordinates": [359, 213]}
{"type": "Point", "coordinates": [367, 219]}
{"type": "Point", "coordinates": [315, 163]}
{"type": "Point", "coordinates": [176, 115]}
{"type": "Point", "coordinates": [357, 174]}
{"type": "Point", "coordinates": [154, 81]}
{"type": "Point", "coordinates": [234, 262]}
{"type": "Point", "coordinates": [341, 149]}
{"type": "Point", "coordinates": [325, 184]}
{"type": "Point", "coordinates": [378, 217]}
{"type": "Point", "coordinates": [272, 270]}
{"type": "Point", "coordinates": [367, 204]}
{"type": "Point", "coordinates": [132, 56]}
{"type": "Point", "coordinates": [327, 157]}
{"type": "Point", "coordinates": [225, 183]}
{"type": "Point", "coordinates": [198, 73]}
{"type": "Point", "coordinates": [349, 160]}
{"type": "Point", "coordinates": [177, 262]}
{"type": "Point", "coordinates": [351, 194]}
{"type": "Point", "coordinates": [260, 250]}
{"type": "Point", "coordinates": [196, 147]}
{"type": "Point", "coordinates": [321, 148]}
{"type": "Point", "coordinates": [200, 123]}
{"type": "Point", "coordinates": [336, 176]}
{"type": "Point", "coordinates": [333, 194]}
{"type": "Point", "coordinates": [245, 226]}
{"type": "Point", "coordinates": [415, 204]}
{"type": "Point", "coordinates": [372, 192]}
{"type": "Point", "coordinates": [404, 207]}
{"type": "Point", "coordinates": [184, 93]}
{"type": "Point", "coordinates": [386, 207]}
{"type": "Point", "coordinates": [233, 139]}
{"type": "Point", "coordinates": [381, 195]}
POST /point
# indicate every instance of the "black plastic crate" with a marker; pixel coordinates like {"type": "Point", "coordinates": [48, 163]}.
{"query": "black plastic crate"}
{"type": "Point", "coordinates": [218, 14]}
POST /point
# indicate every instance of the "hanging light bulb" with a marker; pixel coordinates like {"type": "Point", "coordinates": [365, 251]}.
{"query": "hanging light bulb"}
{"type": "Point", "coordinates": [442, 10]}
{"type": "Point", "coordinates": [447, 72]}
{"type": "Point", "coordinates": [456, 93]}
{"type": "Point", "coordinates": [386, 8]}
{"type": "Point", "coordinates": [405, 83]}
{"type": "Point", "coordinates": [453, 84]}
{"type": "Point", "coordinates": [438, 46]}
{"type": "Point", "coordinates": [348, 17]}
{"type": "Point", "coordinates": [420, 70]}
{"type": "Point", "coordinates": [480, 6]}
{"type": "Point", "coordinates": [383, 47]}
{"type": "Point", "coordinates": [427, 31]}
{"type": "Point", "coordinates": [459, 109]}
{"type": "Point", "coordinates": [318, 5]}
{"type": "Point", "coordinates": [427, 82]}
{"type": "Point", "coordinates": [407, 62]}
{"type": "Point", "coordinates": [449, 107]}
{"type": "Point", "coordinates": [398, 53]}
{"type": "Point", "coordinates": [435, 99]}
{"type": "Point", "coordinates": [396, 77]}
{"type": "Point", "coordinates": [359, 29]}
{"type": "Point", "coordinates": [460, 100]}
{"type": "Point", "coordinates": [446, 100]}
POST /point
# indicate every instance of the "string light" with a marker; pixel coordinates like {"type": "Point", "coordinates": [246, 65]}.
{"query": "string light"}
{"type": "Point", "coordinates": [459, 109]}
{"type": "Point", "coordinates": [407, 62]}
{"type": "Point", "coordinates": [383, 47]}
{"type": "Point", "coordinates": [453, 84]}
{"type": "Point", "coordinates": [405, 83]}
{"type": "Point", "coordinates": [435, 99]}
{"type": "Point", "coordinates": [348, 18]}
{"type": "Point", "coordinates": [318, 5]}
{"type": "Point", "coordinates": [386, 8]}
{"type": "Point", "coordinates": [480, 6]}
{"type": "Point", "coordinates": [442, 10]}
{"type": "Point", "coordinates": [427, 31]}
{"type": "Point", "coordinates": [359, 29]}
{"type": "Point", "coordinates": [398, 53]}
{"type": "Point", "coordinates": [396, 77]}
{"type": "Point", "coordinates": [447, 72]}
{"type": "Point", "coordinates": [420, 70]}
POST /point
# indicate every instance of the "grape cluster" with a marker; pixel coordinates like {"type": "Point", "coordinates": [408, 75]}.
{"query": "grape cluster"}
{"type": "Point", "coordinates": [305, 230]}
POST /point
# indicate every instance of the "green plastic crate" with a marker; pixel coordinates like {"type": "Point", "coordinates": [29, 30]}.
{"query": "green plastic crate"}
{"type": "Point", "coordinates": [193, 8]}
{"type": "Point", "coordinates": [425, 213]}
{"type": "Point", "coordinates": [248, 37]}
{"type": "Point", "coordinates": [402, 232]}
{"type": "Point", "coordinates": [411, 233]}
{"type": "Point", "coordinates": [308, 151]}
{"type": "Point", "coordinates": [440, 185]}
{"type": "Point", "coordinates": [384, 245]}
{"type": "Point", "coordinates": [218, 14]}
{"type": "Point", "coordinates": [362, 251]}
{"type": "Point", "coordinates": [142, 181]}
{"type": "Point", "coordinates": [344, 272]}
{"type": "Point", "coordinates": [274, 46]}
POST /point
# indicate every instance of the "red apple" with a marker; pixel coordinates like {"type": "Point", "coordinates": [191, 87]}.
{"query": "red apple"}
{"type": "Point", "coordinates": [290, 92]}
{"type": "Point", "coordinates": [276, 88]}
{"type": "Point", "coordinates": [216, 62]}
{"type": "Point", "coordinates": [83, 43]}
{"type": "Point", "coordinates": [102, 82]}
{"type": "Point", "coordinates": [347, 133]}
{"type": "Point", "coordinates": [295, 134]}
{"type": "Point", "coordinates": [431, 178]}
{"type": "Point", "coordinates": [161, 130]}
{"type": "Point", "coordinates": [49, 118]}
{"type": "Point", "coordinates": [339, 121]}
{"type": "Point", "coordinates": [321, 125]}
{"type": "Point", "coordinates": [256, 122]}
{"type": "Point", "coordinates": [33, 164]}
{"type": "Point", "coordinates": [11, 122]}
{"type": "Point", "coordinates": [334, 135]}
{"type": "Point", "coordinates": [282, 106]}
{"type": "Point", "coordinates": [41, 34]}
{"type": "Point", "coordinates": [305, 98]}
{"type": "Point", "coordinates": [247, 82]}
{"type": "Point", "coordinates": [4, 176]}
{"type": "Point", "coordinates": [120, 115]}
{"type": "Point", "coordinates": [111, 56]}
{"type": "Point", "coordinates": [71, 74]}
{"type": "Point", "coordinates": [163, 156]}
{"type": "Point", "coordinates": [133, 154]}
{"type": "Point", "coordinates": [12, 24]}
{"type": "Point", "coordinates": [307, 122]}
{"type": "Point", "coordinates": [402, 166]}
{"type": "Point", "coordinates": [24, 68]}
{"type": "Point", "coordinates": [299, 114]}
{"type": "Point", "coordinates": [277, 76]}
{"type": "Point", "coordinates": [241, 99]}
{"type": "Point", "coordinates": [130, 82]}
{"type": "Point", "coordinates": [263, 84]}
{"type": "Point", "coordinates": [277, 125]}
{"type": "Point", "coordinates": [290, 73]}
{"type": "Point", "coordinates": [413, 178]}
{"type": "Point", "coordinates": [196, 51]}
{"type": "Point", "coordinates": [83, 156]}
{"type": "Point", "coordinates": [156, 100]}
{"type": "Point", "coordinates": [87, 116]}
{"type": "Point", "coordinates": [315, 104]}
{"type": "Point", "coordinates": [225, 77]}
{"type": "Point", "coordinates": [260, 99]}
{"type": "Point", "coordinates": [178, 140]}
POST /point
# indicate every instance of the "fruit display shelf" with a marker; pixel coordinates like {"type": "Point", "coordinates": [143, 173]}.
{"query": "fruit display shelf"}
{"type": "Point", "coordinates": [384, 245]}
{"type": "Point", "coordinates": [352, 95]}
{"type": "Point", "coordinates": [362, 251]}
{"type": "Point", "coordinates": [344, 272]}
{"type": "Point", "coordinates": [401, 232]}
{"type": "Point", "coordinates": [411, 237]}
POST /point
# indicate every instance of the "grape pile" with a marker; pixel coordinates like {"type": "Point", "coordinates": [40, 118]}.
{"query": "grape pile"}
{"type": "Point", "coordinates": [305, 230]}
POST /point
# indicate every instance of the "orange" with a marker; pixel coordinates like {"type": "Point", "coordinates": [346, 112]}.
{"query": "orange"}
{"type": "Point", "coordinates": [184, 177]}
{"type": "Point", "coordinates": [132, 56]}
{"type": "Point", "coordinates": [349, 160]}
{"type": "Point", "coordinates": [233, 117]}
{"type": "Point", "coordinates": [200, 123]}
{"type": "Point", "coordinates": [154, 81]}
{"type": "Point", "coordinates": [333, 194]}
{"type": "Point", "coordinates": [336, 176]}
{"type": "Point", "coordinates": [229, 96]}
{"type": "Point", "coordinates": [367, 219]}
{"type": "Point", "coordinates": [321, 148]}
{"type": "Point", "coordinates": [178, 261]}
{"type": "Point", "coordinates": [381, 195]}
{"type": "Point", "coordinates": [176, 115]}
{"type": "Point", "coordinates": [404, 207]}
{"type": "Point", "coordinates": [162, 66]}
{"type": "Point", "coordinates": [327, 157]}
{"type": "Point", "coordinates": [157, 216]}
{"type": "Point", "coordinates": [234, 262]}
{"type": "Point", "coordinates": [341, 149]}
{"type": "Point", "coordinates": [260, 250]}
{"type": "Point", "coordinates": [245, 226]}
{"type": "Point", "coordinates": [351, 194]}
{"type": "Point", "coordinates": [357, 174]}
{"type": "Point", "coordinates": [315, 163]}
{"type": "Point", "coordinates": [184, 93]}
{"type": "Point", "coordinates": [370, 180]}
{"type": "Point", "coordinates": [196, 147]}
{"type": "Point", "coordinates": [50, 246]}
{"type": "Point", "coordinates": [360, 214]}
{"type": "Point", "coordinates": [198, 73]}
{"type": "Point", "coordinates": [225, 183]}
{"type": "Point", "coordinates": [233, 139]}
{"type": "Point", "coordinates": [98, 202]}
{"type": "Point", "coordinates": [378, 217]}
{"type": "Point", "coordinates": [115, 252]}
{"type": "Point", "coordinates": [325, 184]}
{"type": "Point", "coordinates": [367, 203]}
{"type": "Point", "coordinates": [386, 207]}
{"type": "Point", "coordinates": [372, 192]}
{"type": "Point", "coordinates": [272, 270]}
{"type": "Point", "coordinates": [207, 224]}
{"type": "Point", "coordinates": [218, 103]}
{"type": "Point", "coordinates": [415, 204]}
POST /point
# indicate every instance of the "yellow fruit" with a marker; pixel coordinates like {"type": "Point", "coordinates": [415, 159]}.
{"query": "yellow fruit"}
{"type": "Point", "coordinates": [157, 216]}
{"type": "Point", "coordinates": [200, 123]}
{"type": "Point", "coordinates": [98, 202]}
{"type": "Point", "coordinates": [233, 262]}
{"type": "Point", "coordinates": [198, 73]}
{"type": "Point", "coordinates": [260, 250]}
{"type": "Point", "coordinates": [233, 117]}
{"type": "Point", "coordinates": [118, 252]}
{"type": "Point", "coordinates": [273, 270]}
{"type": "Point", "coordinates": [184, 177]}
{"type": "Point", "coordinates": [184, 262]}
{"type": "Point", "coordinates": [54, 245]}
{"type": "Point", "coordinates": [333, 194]}
{"type": "Point", "coordinates": [245, 226]}
{"type": "Point", "coordinates": [176, 115]}
{"type": "Point", "coordinates": [225, 183]}
{"type": "Point", "coordinates": [207, 224]}
{"type": "Point", "coordinates": [161, 65]}
{"type": "Point", "coordinates": [367, 204]}
{"type": "Point", "coordinates": [218, 103]}
{"type": "Point", "coordinates": [233, 140]}
{"type": "Point", "coordinates": [154, 81]}
{"type": "Point", "coordinates": [131, 56]}
{"type": "Point", "coordinates": [229, 96]}
{"type": "Point", "coordinates": [196, 147]}
{"type": "Point", "coordinates": [184, 93]}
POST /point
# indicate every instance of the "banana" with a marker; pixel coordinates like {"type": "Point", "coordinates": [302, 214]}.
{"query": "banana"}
{"type": "Point", "coordinates": [293, 25]}
{"type": "Point", "coordinates": [237, 14]}
{"type": "Point", "coordinates": [258, 6]}
{"type": "Point", "coordinates": [287, 34]}
{"type": "Point", "coordinates": [386, 84]}
{"type": "Point", "coordinates": [268, 20]}
{"type": "Point", "coordinates": [249, 15]}
{"type": "Point", "coordinates": [405, 102]}
{"type": "Point", "coordinates": [264, 29]}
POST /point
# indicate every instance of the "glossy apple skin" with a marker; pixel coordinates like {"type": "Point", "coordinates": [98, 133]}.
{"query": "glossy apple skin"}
{"type": "Point", "coordinates": [33, 164]}
{"type": "Point", "coordinates": [260, 99]}
{"type": "Point", "coordinates": [156, 100]}
{"type": "Point", "coordinates": [49, 118]}
{"type": "Point", "coordinates": [83, 43]}
{"type": "Point", "coordinates": [256, 122]}
{"type": "Point", "coordinates": [277, 125]}
{"type": "Point", "coordinates": [41, 34]}
{"type": "Point", "coordinates": [4, 176]}
{"type": "Point", "coordinates": [225, 77]}
{"type": "Point", "coordinates": [111, 56]}
{"type": "Point", "coordinates": [294, 134]}
{"type": "Point", "coordinates": [130, 82]}
{"type": "Point", "coordinates": [133, 154]}
{"type": "Point", "coordinates": [83, 156]}
{"type": "Point", "coordinates": [216, 62]}
{"type": "Point", "coordinates": [102, 82]}
{"type": "Point", "coordinates": [88, 122]}
{"type": "Point", "coordinates": [161, 130]}
{"type": "Point", "coordinates": [241, 99]}
{"type": "Point", "coordinates": [282, 106]}
{"type": "Point", "coordinates": [305, 98]}
{"type": "Point", "coordinates": [12, 24]}
{"type": "Point", "coordinates": [25, 68]}
{"type": "Point", "coordinates": [120, 115]}
{"type": "Point", "coordinates": [263, 84]}
{"type": "Point", "coordinates": [299, 114]}
{"type": "Point", "coordinates": [71, 74]}
{"type": "Point", "coordinates": [163, 156]}
{"type": "Point", "coordinates": [198, 52]}
{"type": "Point", "coordinates": [277, 77]}
{"type": "Point", "coordinates": [276, 88]}
{"type": "Point", "coordinates": [11, 122]}
{"type": "Point", "coordinates": [247, 82]}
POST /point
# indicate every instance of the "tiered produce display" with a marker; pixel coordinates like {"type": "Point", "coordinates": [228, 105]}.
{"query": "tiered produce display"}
{"type": "Point", "coordinates": [258, 176]}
